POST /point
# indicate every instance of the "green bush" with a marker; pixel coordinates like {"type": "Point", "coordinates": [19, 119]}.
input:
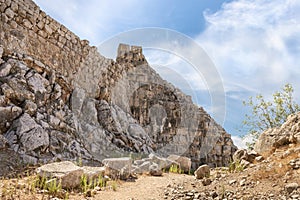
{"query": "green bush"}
{"type": "Point", "coordinates": [267, 114]}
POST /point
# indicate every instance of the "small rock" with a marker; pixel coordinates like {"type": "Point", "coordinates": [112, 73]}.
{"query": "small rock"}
{"type": "Point", "coordinates": [291, 187]}
{"type": "Point", "coordinates": [259, 158]}
{"type": "Point", "coordinates": [202, 171]}
{"type": "Point", "coordinates": [1, 51]}
{"type": "Point", "coordinates": [243, 182]}
{"type": "Point", "coordinates": [3, 142]}
{"type": "Point", "coordinates": [232, 182]}
{"type": "Point", "coordinates": [154, 170]}
{"type": "Point", "coordinates": [240, 154]}
{"type": "Point", "coordinates": [90, 193]}
{"type": "Point", "coordinates": [190, 194]}
{"type": "Point", "coordinates": [214, 194]}
{"type": "Point", "coordinates": [206, 181]}
{"type": "Point", "coordinates": [5, 69]}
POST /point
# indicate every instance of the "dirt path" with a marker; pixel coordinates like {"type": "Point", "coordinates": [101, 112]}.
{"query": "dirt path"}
{"type": "Point", "coordinates": [145, 187]}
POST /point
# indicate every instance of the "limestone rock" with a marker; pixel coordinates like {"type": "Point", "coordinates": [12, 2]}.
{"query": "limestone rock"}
{"type": "Point", "coordinates": [8, 114]}
{"type": "Point", "coordinates": [5, 69]}
{"type": "Point", "coordinates": [206, 181]}
{"type": "Point", "coordinates": [108, 106]}
{"type": "Point", "coordinates": [202, 171]}
{"type": "Point", "coordinates": [155, 170]}
{"type": "Point", "coordinates": [3, 142]}
{"type": "Point", "coordinates": [29, 134]}
{"type": "Point", "coordinates": [184, 162]}
{"type": "Point", "coordinates": [1, 51]}
{"type": "Point", "coordinates": [163, 163]}
{"type": "Point", "coordinates": [295, 163]}
{"type": "Point", "coordinates": [66, 171]}
{"type": "Point", "coordinates": [37, 83]}
{"type": "Point", "coordinates": [242, 155]}
{"type": "Point", "coordinates": [291, 187]}
{"type": "Point", "coordinates": [118, 167]}
{"type": "Point", "coordinates": [93, 172]}
{"type": "Point", "coordinates": [30, 107]}
{"type": "Point", "coordinates": [274, 138]}
{"type": "Point", "coordinates": [142, 168]}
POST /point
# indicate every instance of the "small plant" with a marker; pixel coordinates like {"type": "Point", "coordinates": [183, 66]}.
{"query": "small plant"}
{"type": "Point", "coordinates": [176, 169]}
{"type": "Point", "coordinates": [51, 185]}
{"type": "Point", "coordinates": [223, 191]}
{"type": "Point", "coordinates": [114, 185]}
{"type": "Point", "coordinates": [84, 184]}
{"type": "Point", "coordinates": [101, 182]}
{"type": "Point", "coordinates": [236, 166]}
{"type": "Point", "coordinates": [66, 196]}
{"type": "Point", "coordinates": [79, 162]}
{"type": "Point", "coordinates": [87, 185]}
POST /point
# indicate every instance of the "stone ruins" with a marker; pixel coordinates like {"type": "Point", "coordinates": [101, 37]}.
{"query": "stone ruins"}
{"type": "Point", "coordinates": [62, 100]}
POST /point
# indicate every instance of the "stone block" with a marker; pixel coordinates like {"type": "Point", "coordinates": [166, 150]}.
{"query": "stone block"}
{"type": "Point", "coordinates": [67, 172]}
{"type": "Point", "coordinates": [118, 167]}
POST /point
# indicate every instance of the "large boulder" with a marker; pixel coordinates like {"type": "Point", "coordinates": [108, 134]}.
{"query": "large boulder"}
{"type": "Point", "coordinates": [288, 132]}
{"type": "Point", "coordinates": [93, 172]}
{"type": "Point", "coordinates": [67, 172]}
{"type": "Point", "coordinates": [202, 172]}
{"type": "Point", "coordinates": [153, 165]}
{"type": "Point", "coordinates": [184, 162]}
{"type": "Point", "coordinates": [118, 167]}
{"type": "Point", "coordinates": [143, 167]}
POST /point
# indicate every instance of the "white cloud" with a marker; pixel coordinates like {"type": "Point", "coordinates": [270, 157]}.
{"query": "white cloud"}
{"type": "Point", "coordinates": [93, 20]}
{"type": "Point", "coordinates": [255, 44]}
{"type": "Point", "coordinates": [240, 142]}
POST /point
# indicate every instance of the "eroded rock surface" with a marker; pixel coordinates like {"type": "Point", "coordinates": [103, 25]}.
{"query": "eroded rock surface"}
{"type": "Point", "coordinates": [61, 100]}
{"type": "Point", "coordinates": [288, 133]}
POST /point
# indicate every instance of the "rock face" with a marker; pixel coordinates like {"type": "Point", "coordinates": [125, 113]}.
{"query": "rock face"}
{"type": "Point", "coordinates": [61, 100]}
{"type": "Point", "coordinates": [288, 133]}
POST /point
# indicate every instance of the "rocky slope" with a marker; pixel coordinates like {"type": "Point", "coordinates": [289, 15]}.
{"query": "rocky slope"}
{"type": "Point", "coordinates": [61, 100]}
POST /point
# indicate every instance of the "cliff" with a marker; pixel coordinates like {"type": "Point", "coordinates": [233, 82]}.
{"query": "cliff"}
{"type": "Point", "coordinates": [60, 99]}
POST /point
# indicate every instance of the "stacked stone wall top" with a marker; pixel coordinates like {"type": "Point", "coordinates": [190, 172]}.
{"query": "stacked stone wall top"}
{"type": "Point", "coordinates": [26, 29]}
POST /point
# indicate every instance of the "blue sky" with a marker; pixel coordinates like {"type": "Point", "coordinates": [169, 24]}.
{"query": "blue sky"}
{"type": "Point", "coordinates": [254, 44]}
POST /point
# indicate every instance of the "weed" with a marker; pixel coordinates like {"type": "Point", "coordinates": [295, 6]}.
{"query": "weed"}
{"type": "Point", "coordinates": [66, 196]}
{"type": "Point", "coordinates": [101, 182]}
{"type": "Point", "coordinates": [176, 169]}
{"type": "Point", "coordinates": [79, 162]}
{"type": "Point", "coordinates": [52, 186]}
{"type": "Point", "coordinates": [114, 185]}
{"type": "Point", "coordinates": [236, 166]}
{"type": "Point", "coordinates": [86, 184]}
{"type": "Point", "coordinates": [222, 193]}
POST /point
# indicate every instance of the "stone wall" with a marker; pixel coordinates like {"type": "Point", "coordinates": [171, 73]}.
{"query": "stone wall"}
{"type": "Point", "coordinates": [168, 116]}
{"type": "Point", "coordinates": [61, 99]}
{"type": "Point", "coordinates": [27, 30]}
